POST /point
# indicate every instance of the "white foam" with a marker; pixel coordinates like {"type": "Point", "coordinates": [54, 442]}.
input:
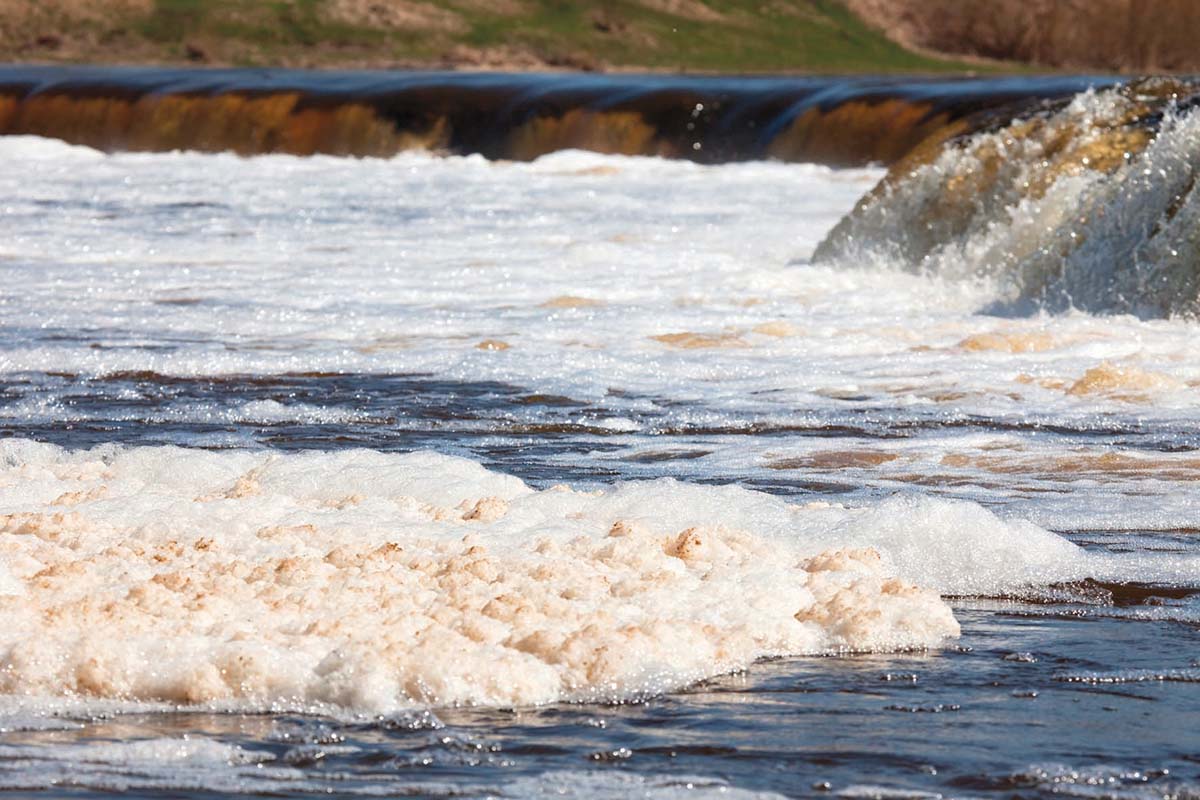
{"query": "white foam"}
{"type": "Point", "coordinates": [1101, 781]}
{"type": "Point", "coordinates": [407, 265]}
{"type": "Point", "coordinates": [8, 584]}
{"type": "Point", "coordinates": [198, 752]}
{"type": "Point", "coordinates": [199, 265]}
{"type": "Point", "coordinates": [619, 785]}
{"type": "Point", "coordinates": [962, 548]}
{"type": "Point", "coordinates": [375, 581]}
{"type": "Point", "coordinates": [200, 764]}
{"type": "Point", "coordinates": [42, 149]}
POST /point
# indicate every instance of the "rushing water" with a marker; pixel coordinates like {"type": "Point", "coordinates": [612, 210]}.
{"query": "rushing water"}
{"type": "Point", "coordinates": [446, 477]}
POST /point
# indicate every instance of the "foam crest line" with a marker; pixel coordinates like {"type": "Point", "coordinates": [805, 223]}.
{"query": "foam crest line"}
{"type": "Point", "coordinates": [836, 121]}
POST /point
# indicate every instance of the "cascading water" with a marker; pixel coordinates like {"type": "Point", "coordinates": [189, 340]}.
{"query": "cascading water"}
{"type": "Point", "coordinates": [1091, 204]}
{"type": "Point", "coordinates": [839, 121]}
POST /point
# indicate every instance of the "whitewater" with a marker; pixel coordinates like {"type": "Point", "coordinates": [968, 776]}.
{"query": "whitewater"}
{"type": "Point", "coordinates": [579, 475]}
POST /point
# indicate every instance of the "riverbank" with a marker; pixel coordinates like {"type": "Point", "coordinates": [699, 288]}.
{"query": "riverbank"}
{"type": "Point", "coordinates": [734, 36]}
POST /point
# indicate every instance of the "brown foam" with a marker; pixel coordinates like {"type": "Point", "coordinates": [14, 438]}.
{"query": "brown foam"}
{"type": "Point", "coordinates": [780, 329]}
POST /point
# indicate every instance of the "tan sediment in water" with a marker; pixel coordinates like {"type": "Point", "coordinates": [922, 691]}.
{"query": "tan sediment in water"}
{"type": "Point", "coordinates": [388, 344]}
{"type": "Point", "coordinates": [1008, 342]}
{"type": "Point", "coordinates": [598, 171]}
{"type": "Point", "coordinates": [571, 301]}
{"type": "Point", "coordinates": [1054, 384]}
{"type": "Point", "coordinates": [701, 341]}
{"type": "Point", "coordinates": [1094, 465]}
{"type": "Point", "coordinates": [780, 329]}
{"type": "Point", "coordinates": [1113, 379]}
{"type": "Point", "coordinates": [836, 459]}
{"type": "Point", "coordinates": [347, 579]}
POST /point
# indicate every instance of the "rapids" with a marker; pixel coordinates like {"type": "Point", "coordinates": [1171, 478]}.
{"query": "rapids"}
{"type": "Point", "coordinates": [1090, 205]}
{"type": "Point", "coordinates": [597, 474]}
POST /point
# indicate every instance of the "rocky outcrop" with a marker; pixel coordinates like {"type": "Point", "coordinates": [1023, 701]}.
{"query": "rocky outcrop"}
{"type": "Point", "coordinates": [1118, 35]}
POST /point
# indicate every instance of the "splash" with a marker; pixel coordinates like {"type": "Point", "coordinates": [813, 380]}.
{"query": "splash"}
{"type": "Point", "coordinates": [1089, 204]}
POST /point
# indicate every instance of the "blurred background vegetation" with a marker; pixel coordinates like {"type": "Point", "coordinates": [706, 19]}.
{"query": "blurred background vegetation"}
{"type": "Point", "coordinates": [689, 35]}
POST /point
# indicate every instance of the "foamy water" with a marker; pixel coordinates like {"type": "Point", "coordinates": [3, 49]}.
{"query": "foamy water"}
{"type": "Point", "coordinates": [368, 444]}
{"type": "Point", "coordinates": [373, 582]}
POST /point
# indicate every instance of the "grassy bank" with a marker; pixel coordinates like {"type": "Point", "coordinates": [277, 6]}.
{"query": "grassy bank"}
{"type": "Point", "coordinates": [692, 35]}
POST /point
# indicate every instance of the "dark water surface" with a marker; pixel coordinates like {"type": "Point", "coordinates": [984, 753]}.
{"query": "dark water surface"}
{"type": "Point", "coordinates": [1095, 695]}
{"type": "Point", "coordinates": [1009, 711]}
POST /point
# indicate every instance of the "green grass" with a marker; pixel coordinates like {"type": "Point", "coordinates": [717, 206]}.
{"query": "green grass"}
{"type": "Point", "coordinates": [813, 36]}
{"type": "Point", "coordinates": [751, 36]}
{"type": "Point", "coordinates": [266, 30]}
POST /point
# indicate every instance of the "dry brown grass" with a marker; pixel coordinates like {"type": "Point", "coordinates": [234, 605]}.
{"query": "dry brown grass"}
{"type": "Point", "coordinates": [1125, 35]}
{"type": "Point", "coordinates": [15, 13]}
{"type": "Point", "coordinates": [396, 15]}
{"type": "Point", "coordinates": [61, 24]}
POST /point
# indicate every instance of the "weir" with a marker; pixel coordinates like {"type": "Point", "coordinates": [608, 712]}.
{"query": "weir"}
{"type": "Point", "coordinates": [840, 121]}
